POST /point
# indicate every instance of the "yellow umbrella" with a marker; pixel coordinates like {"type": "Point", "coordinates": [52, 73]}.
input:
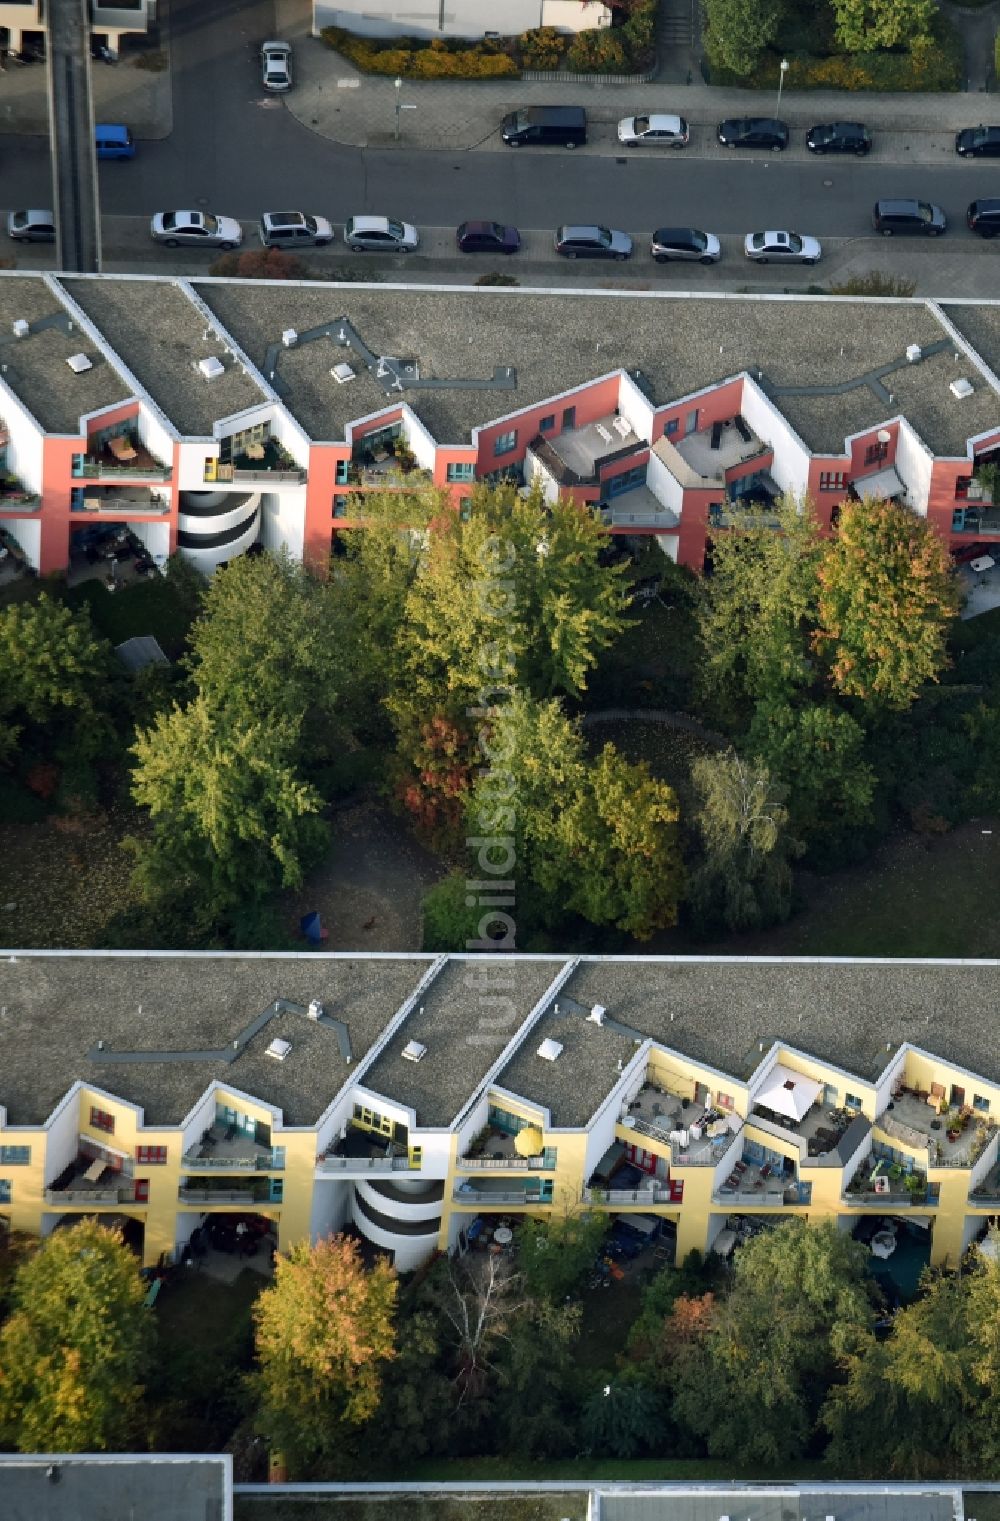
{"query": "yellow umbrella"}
{"type": "Point", "coordinates": [528, 1142]}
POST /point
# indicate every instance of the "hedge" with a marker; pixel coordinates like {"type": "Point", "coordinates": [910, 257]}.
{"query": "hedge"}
{"type": "Point", "coordinates": [411, 58]}
{"type": "Point", "coordinates": [932, 64]}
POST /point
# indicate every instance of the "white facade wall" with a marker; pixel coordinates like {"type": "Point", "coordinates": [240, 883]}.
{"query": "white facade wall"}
{"type": "Point", "coordinates": [191, 457]}
{"type": "Point", "coordinates": [330, 1208]}
{"type": "Point", "coordinates": [914, 465]}
{"type": "Point", "coordinates": [670, 544]}
{"type": "Point", "coordinates": [984, 1163]}
{"type": "Point", "coordinates": [26, 441]}
{"type": "Point", "coordinates": [458, 18]}
{"type": "Point", "coordinates": [283, 520]}
{"type": "Point", "coordinates": [62, 1137]}
{"type": "Point", "coordinates": [28, 533]}
{"type": "Point", "coordinates": [155, 435]}
{"type": "Point", "coordinates": [156, 537]}
{"type": "Point", "coordinates": [637, 409]}
{"type": "Point", "coordinates": [666, 488]}
{"type": "Point", "coordinates": [791, 457]}
{"type": "Point", "coordinates": [409, 1251]}
{"type": "Point", "coordinates": [421, 1210]}
{"type": "Point", "coordinates": [419, 440]}
{"type": "Point", "coordinates": [286, 431]}
{"type": "Point", "coordinates": [883, 1088]}
{"type": "Point", "coordinates": [536, 472]}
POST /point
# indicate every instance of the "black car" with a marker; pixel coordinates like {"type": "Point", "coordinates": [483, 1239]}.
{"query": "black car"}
{"type": "Point", "coordinates": [840, 137]}
{"type": "Point", "coordinates": [753, 132]}
{"type": "Point", "coordinates": [919, 217]}
{"type": "Point", "coordinates": [487, 237]}
{"type": "Point", "coordinates": [978, 142]}
{"type": "Point", "coordinates": [984, 217]}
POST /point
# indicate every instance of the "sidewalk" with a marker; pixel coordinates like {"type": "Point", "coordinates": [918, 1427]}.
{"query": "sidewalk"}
{"type": "Point", "coordinates": [335, 101]}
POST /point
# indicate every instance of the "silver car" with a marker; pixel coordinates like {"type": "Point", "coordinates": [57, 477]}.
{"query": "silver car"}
{"type": "Point", "coordinates": [380, 234]}
{"type": "Point", "coordinates": [782, 247]}
{"type": "Point", "coordinates": [592, 242]}
{"type": "Point", "coordinates": [195, 229]}
{"type": "Point", "coordinates": [660, 131]}
{"type": "Point", "coordinates": [31, 226]}
{"type": "Point", "coordinates": [276, 65]}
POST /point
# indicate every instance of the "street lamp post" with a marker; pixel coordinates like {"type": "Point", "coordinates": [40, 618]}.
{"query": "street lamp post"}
{"type": "Point", "coordinates": [781, 80]}
{"type": "Point", "coordinates": [399, 86]}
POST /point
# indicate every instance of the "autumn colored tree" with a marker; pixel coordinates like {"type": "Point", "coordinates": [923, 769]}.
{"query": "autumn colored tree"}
{"type": "Point", "coordinates": [742, 878]}
{"type": "Point", "coordinates": [594, 838]}
{"type": "Point", "coordinates": [887, 598]}
{"type": "Point", "coordinates": [74, 1352]}
{"type": "Point", "coordinates": [756, 611]}
{"type": "Point", "coordinates": [231, 817]}
{"type": "Point", "coordinates": [867, 26]}
{"type": "Point", "coordinates": [261, 264]}
{"type": "Point", "coordinates": [433, 789]}
{"type": "Point", "coordinates": [325, 1335]}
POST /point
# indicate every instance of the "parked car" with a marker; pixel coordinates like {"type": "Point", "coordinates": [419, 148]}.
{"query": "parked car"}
{"type": "Point", "coordinates": [31, 226]}
{"type": "Point", "coordinates": [978, 142]}
{"type": "Point", "coordinates": [380, 234]}
{"type": "Point", "coordinates": [592, 242]}
{"type": "Point", "coordinates": [782, 247]}
{"type": "Point", "coordinates": [195, 229]}
{"type": "Point", "coordinates": [840, 137]}
{"type": "Point", "coordinates": [276, 65]}
{"type": "Point", "coordinates": [563, 125]}
{"type": "Point", "coordinates": [984, 217]}
{"type": "Point", "coordinates": [753, 132]}
{"type": "Point", "coordinates": [294, 229]}
{"type": "Point", "coordinates": [487, 237]}
{"type": "Point", "coordinates": [684, 243]}
{"type": "Point", "coordinates": [663, 131]}
{"type": "Point", "coordinates": [889, 217]}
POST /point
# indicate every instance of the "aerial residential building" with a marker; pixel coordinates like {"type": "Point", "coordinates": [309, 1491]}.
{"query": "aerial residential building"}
{"type": "Point", "coordinates": [466, 18]}
{"type": "Point", "coordinates": [25, 21]}
{"type": "Point", "coordinates": [410, 1097]}
{"type": "Point", "coordinates": [212, 415]}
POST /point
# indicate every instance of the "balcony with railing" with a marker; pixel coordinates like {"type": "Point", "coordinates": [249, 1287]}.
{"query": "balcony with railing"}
{"type": "Point", "coordinates": [210, 1195]}
{"type": "Point", "coordinates": [986, 1193]}
{"type": "Point", "coordinates": [494, 1150]}
{"type": "Point", "coordinates": [260, 462]}
{"type": "Point", "coordinates": [92, 1181]}
{"type": "Point", "coordinates": [648, 1194]}
{"type": "Point", "coordinates": [121, 457]}
{"type": "Point", "coordinates": [692, 1134]}
{"type": "Point", "coordinates": [576, 456]}
{"type": "Point", "coordinates": [952, 1134]}
{"type": "Point", "coordinates": [491, 1192]}
{"type": "Point", "coordinates": [14, 494]}
{"type": "Point", "coordinates": [760, 1179]}
{"type": "Point", "coordinates": [118, 500]}
{"type": "Point", "coordinates": [359, 1151]}
{"type": "Point", "coordinates": [880, 1183]}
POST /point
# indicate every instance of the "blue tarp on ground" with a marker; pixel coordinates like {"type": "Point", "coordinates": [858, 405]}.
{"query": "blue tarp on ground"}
{"type": "Point", "coordinates": [311, 926]}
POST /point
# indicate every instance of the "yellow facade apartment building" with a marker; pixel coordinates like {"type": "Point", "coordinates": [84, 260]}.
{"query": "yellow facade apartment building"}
{"type": "Point", "coordinates": [411, 1096]}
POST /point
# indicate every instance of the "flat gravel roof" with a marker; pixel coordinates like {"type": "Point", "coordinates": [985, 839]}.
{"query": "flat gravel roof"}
{"type": "Point", "coordinates": [35, 367]}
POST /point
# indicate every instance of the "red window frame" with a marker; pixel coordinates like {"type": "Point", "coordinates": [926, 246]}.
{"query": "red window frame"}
{"type": "Point", "coordinates": [141, 1191]}
{"type": "Point", "coordinates": [962, 484]}
{"type": "Point", "coordinates": [151, 1156]}
{"type": "Point", "coordinates": [101, 1120]}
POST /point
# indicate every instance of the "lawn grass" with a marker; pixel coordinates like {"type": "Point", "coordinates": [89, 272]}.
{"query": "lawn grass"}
{"type": "Point", "coordinates": [146, 607]}
{"type": "Point", "coordinates": [205, 1335]}
{"type": "Point", "coordinates": [548, 1507]}
{"type": "Point", "coordinates": [608, 1316]}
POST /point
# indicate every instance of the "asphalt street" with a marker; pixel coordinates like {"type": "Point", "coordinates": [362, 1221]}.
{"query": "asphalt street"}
{"type": "Point", "coordinates": [236, 151]}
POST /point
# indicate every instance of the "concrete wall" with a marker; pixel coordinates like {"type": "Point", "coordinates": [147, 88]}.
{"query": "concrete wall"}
{"type": "Point", "coordinates": [458, 18]}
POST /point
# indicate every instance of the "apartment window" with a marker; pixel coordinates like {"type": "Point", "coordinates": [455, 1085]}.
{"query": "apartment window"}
{"type": "Point", "coordinates": [875, 453]}
{"type": "Point", "coordinates": [672, 426]}
{"type": "Point", "coordinates": [569, 418]}
{"type": "Point", "coordinates": [962, 484]}
{"type": "Point", "coordinates": [340, 506]}
{"type": "Point", "coordinates": [77, 464]}
{"type": "Point", "coordinates": [851, 1101]}
{"type": "Point", "coordinates": [547, 424]}
{"type": "Point", "coordinates": [140, 1191]}
{"type": "Point", "coordinates": [833, 480]}
{"type": "Point", "coordinates": [151, 1156]}
{"type": "Point", "coordinates": [416, 1155]}
{"type": "Point", "coordinates": [20, 1156]}
{"type": "Point", "coordinates": [343, 465]}
{"type": "Point", "coordinates": [505, 443]}
{"type": "Point", "coordinates": [724, 1100]}
{"type": "Point", "coordinates": [979, 1102]}
{"type": "Point", "coordinates": [463, 472]}
{"type": "Point", "coordinates": [278, 1158]}
{"type": "Point", "coordinates": [4, 1190]}
{"type": "Point", "coordinates": [101, 1120]}
{"type": "Point", "coordinates": [276, 1190]}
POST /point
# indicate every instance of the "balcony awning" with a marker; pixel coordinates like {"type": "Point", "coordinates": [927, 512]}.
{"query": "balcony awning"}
{"type": "Point", "coordinates": [788, 1093]}
{"type": "Point", "coordinates": [882, 483]}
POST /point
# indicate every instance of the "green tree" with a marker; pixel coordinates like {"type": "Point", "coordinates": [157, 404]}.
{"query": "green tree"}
{"type": "Point", "coordinates": [598, 839]}
{"type": "Point", "coordinates": [905, 1404]}
{"type": "Point", "coordinates": [756, 611]}
{"type": "Point", "coordinates": [265, 646]}
{"type": "Point", "coordinates": [325, 1334]}
{"type": "Point", "coordinates": [450, 924]}
{"type": "Point", "coordinates": [830, 798]}
{"type": "Point", "coordinates": [75, 1349]}
{"type": "Point", "coordinates": [739, 31]}
{"type": "Point", "coordinates": [867, 26]}
{"type": "Point", "coordinates": [231, 818]}
{"type": "Point", "coordinates": [534, 1407]}
{"type": "Point", "coordinates": [56, 676]}
{"type": "Point", "coordinates": [743, 877]}
{"type": "Point", "coordinates": [887, 599]}
{"type": "Point", "coordinates": [621, 1418]}
{"type": "Point", "coordinates": [797, 1292]}
{"type": "Point", "coordinates": [554, 1254]}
